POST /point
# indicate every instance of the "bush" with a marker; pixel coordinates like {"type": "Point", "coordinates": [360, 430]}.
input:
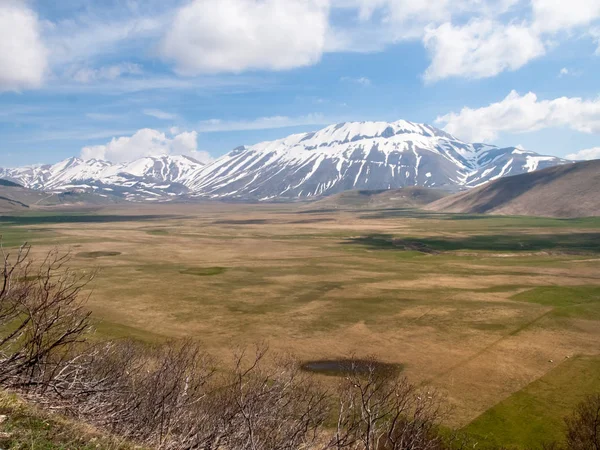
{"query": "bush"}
{"type": "Point", "coordinates": [583, 427]}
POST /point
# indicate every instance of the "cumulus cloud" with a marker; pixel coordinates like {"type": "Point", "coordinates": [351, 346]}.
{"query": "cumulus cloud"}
{"type": "Point", "coordinates": [23, 56]}
{"type": "Point", "coordinates": [383, 22]}
{"type": "Point", "coordinates": [209, 36]}
{"type": "Point", "coordinates": [585, 155]}
{"type": "Point", "coordinates": [522, 113]}
{"type": "Point", "coordinates": [479, 49]}
{"type": "Point", "coordinates": [555, 15]}
{"type": "Point", "coordinates": [147, 142]}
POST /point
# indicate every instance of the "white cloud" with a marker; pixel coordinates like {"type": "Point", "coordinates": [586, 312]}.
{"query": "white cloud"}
{"type": "Point", "coordinates": [261, 123]}
{"type": "Point", "coordinates": [209, 36]}
{"type": "Point", "coordinates": [23, 56]}
{"type": "Point", "coordinates": [383, 22]}
{"type": "Point", "coordinates": [585, 155]}
{"type": "Point", "coordinates": [84, 38]}
{"type": "Point", "coordinates": [555, 15]}
{"type": "Point", "coordinates": [147, 142]}
{"type": "Point", "coordinates": [522, 113]}
{"type": "Point", "coordinates": [158, 114]}
{"type": "Point", "coordinates": [479, 49]}
{"type": "Point", "coordinates": [595, 33]}
{"type": "Point", "coordinates": [569, 72]}
{"type": "Point", "coordinates": [108, 73]}
{"type": "Point", "coordinates": [364, 81]}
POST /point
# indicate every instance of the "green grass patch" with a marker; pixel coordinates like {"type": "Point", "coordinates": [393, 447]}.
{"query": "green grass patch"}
{"type": "Point", "coordinates": [17, 236]}
{"type": "Point", "coordinates": [106, 329]}
{"type": "Point", "coordinates": [204, 271]}
{"type": "Point", "coordinates": [535, 414]}
{"type": "Point", "coordinates": [566, 242]}
{"type": "Point", "coordinates": [46, 218]}
{"type": "Point", "coordinates": [158, 232]}
{"type": "Point", "coordinates": [28, 427]}
{"type": "Point", "coordinates": [569, 301]}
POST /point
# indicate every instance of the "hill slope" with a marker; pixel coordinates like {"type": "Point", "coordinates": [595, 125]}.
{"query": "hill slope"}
{"type": "Point", "coordinates": [14, 197]}
{"type": "Point", "coordinates": [564, 191]}
{"type": "Point", "coordinates": [410, 197]}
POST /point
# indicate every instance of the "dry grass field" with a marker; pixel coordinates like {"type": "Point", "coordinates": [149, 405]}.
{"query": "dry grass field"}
{"type": "Point", "coordinates": [477, 307]}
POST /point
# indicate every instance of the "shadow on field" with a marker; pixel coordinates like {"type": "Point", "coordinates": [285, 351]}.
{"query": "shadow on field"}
{"type": "Point", "coordinates": [575, 242]}
{"type": "Point", "coordinates": [245, 222]}
{"type": "Point", "coordinates": [67, 218]}
{"type": "Point", "coordinates": [399, 212]}
{"type": "Point", "coordinates": [342, 367]}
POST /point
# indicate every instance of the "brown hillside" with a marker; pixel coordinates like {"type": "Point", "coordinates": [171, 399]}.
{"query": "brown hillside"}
{"type": "Point", "coordinates": [409, 197]}
{"type": "Point", "coordinates": [563, 191]}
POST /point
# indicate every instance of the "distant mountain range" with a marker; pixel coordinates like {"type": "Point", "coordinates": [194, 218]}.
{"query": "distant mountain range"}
{"type": "Point", "coordinates": [150, 178]}
{"type": "Point", "coordinates": [14, 197]}
{"type": "Point", "coordinates": [347, 156]}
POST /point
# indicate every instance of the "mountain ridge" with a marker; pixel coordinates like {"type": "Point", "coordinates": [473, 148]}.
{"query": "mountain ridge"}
{"type": "Point", "coordinates": [337, 158]}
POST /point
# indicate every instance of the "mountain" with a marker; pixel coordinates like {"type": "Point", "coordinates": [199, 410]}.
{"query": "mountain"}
{"type": "Point", "coordinates": [149, 178]}
{"type": "Point", "coordinates": [361, 156]}
{"type": "Point", "coordinates": [409, 197]}
{"type": "Point", "coordinates": [14, 197]}
{"type": "Point", "coordinates": [348, 156]}
{"type": "Point", "coordinates": [563, 191]}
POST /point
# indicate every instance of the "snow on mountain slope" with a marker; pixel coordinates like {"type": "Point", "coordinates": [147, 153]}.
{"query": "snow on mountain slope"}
{"type": "Point", "coordinates": [144, 179]}
{"type": "Point", "coordinates": [346, 156]}
{"type": "Point", "coordinates": [366, 156]}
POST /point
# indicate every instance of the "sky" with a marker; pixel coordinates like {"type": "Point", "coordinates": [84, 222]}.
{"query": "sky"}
{"type": "Point", "coordinates": [123, 79]}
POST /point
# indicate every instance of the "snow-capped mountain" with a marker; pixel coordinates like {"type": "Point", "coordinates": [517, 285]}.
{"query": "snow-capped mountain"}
{"type": "Point", "coordinates": [365, 155]}
{"type": "Point", "coordinates": [358, 155]}
{"type": "Point", "coordinates": [148, 178]}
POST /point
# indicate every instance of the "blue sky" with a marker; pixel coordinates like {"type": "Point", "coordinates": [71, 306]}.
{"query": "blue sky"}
{"type": "Point", "coordinates": [120, 79]}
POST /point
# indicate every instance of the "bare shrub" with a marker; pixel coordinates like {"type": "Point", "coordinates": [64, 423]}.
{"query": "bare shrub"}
{"type": "Point", "coordinates": [260, 406]}
{"type": "Point", "coordinates": [145, 394]}
{"type": "Point", "coordinates": [41, 317]}
{"type": "Point", "coordinates": [583, 427]}
{"type": "Point", "coordinates": [382, 411]}
{"type": "Point", "coordinates": [169, 397]}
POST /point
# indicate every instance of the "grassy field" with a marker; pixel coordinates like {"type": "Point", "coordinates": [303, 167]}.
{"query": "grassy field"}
{"type": "Point", "coordinates": [25, 427]}
{"type": "Point", "coordinates": [534, 414]}
{"type": "Point", "coordinates": [479, 307]}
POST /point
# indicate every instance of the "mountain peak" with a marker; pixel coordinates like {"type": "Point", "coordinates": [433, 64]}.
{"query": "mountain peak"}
{"type": "Point", "coordinates": [340, 157]}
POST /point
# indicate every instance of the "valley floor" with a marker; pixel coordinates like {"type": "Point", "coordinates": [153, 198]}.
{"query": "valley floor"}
{"type": "Point", "coordinates": [485, 309]}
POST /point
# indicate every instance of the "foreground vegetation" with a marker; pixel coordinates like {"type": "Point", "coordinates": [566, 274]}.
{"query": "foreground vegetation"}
{"type": "Point", "coordinates": [172, 396]}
